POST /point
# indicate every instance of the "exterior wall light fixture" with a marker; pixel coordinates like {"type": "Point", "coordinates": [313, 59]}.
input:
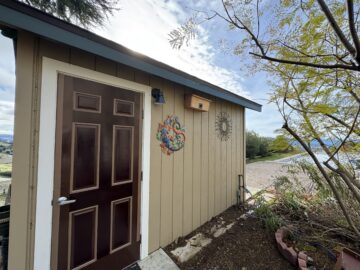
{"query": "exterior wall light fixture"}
{"type": "Point", "coordinates": [158, 95]}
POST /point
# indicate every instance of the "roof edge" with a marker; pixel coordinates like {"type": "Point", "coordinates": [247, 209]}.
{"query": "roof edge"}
{"type": "Point", "coordinates": [32, 20]}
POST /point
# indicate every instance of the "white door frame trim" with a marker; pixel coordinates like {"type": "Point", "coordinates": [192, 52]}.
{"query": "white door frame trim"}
{"type": "Point", "coordinates": [46, 158]}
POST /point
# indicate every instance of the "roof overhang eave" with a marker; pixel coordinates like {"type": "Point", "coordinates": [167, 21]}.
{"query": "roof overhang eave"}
{"type": "Point", "coordinates": [45, 29]}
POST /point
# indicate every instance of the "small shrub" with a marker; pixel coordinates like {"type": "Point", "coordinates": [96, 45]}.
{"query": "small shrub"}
{"type": "Point", "coordinates": [290, 201]}
{"type": "Point", "coordinates": [5, 170]}
{"type": "Point", "coordinates": [271, 220]}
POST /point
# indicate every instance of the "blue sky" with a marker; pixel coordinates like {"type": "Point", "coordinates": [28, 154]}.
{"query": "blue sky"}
{"type": "Point", "coordinates": [7, 85]}
{"type": "Point", "coordinates": [144, 25]}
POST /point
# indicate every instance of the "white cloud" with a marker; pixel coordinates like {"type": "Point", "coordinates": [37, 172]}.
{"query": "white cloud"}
{"type": "Point", "coordinates": [144, 26]}
{"type": "Point", "coordinates": [6, 117]}
{"type": "Point", "coordinates": [7, 86]}
{"type": "Point", "coordinates": [7, 62]}
{"type": "Point", "coordinates": [7, 78]}
{"type": "Point", "coordinates": [266, 122]}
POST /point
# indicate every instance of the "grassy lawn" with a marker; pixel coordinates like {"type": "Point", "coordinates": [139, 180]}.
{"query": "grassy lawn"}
{"type": "Point", "coordinates": [5, 170]}
{"type": "Point", "coordinates": [274, 156]}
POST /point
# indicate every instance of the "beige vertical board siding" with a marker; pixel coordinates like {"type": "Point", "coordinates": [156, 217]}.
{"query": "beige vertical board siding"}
{"type": "Point", "coordinates": [218, 174]}
{"type": "Point", "coordinates": [167, 174]}
{"type": "Point", "coordinates": [232, 153]}
{"type": "Point", "coordinates": [142, 77]}
{"type": "Point", "coordinates": [53, 50]}
{"type": "Point", "coordinates": [82, 59]}
{"type": "Point", "coordinates": [20, 230]}
{"type": "Point", "coordinates": [242, 149]}
{"type": "Point", "coordinates": [223, 167]}
{"type": "Point", "coordinates": [243, 144]}
{"type": "Point", "coordinates": [234, 139]}
{"type": "Point", "coordinates": [178, 177]}
{"type": "Point", "coordinates": [105, 66]}
{"type": "Point", "coordinates": [212, 138]}
{"type": "Point", "coordinates": [204, 184]}
{"type": "Point", "coordinates": [187, 188]}
{"type": "Point", "coordinates": [196, 169]}
{"type": "Point", "coordinates": [238, 142]}
{"type": "Point", "coordinates": [155, 173]}
{"type": "Point", "coordinates": [188, 172]}
{"type": "Point", "coordinates": [125, 72]}
{"type": "Point", "coordinates": [229, 175]}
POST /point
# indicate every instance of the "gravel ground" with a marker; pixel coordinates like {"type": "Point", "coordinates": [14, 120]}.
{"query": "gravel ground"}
{"type": "Point", "coordinates": [263, 173]}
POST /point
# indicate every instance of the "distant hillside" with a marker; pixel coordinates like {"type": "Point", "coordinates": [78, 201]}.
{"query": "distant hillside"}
{"type": "Point", "coordinates": [6, 138]}
{"type": "Point", "coordinates": [315, 144]}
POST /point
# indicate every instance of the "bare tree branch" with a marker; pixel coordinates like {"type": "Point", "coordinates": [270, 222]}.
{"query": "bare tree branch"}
{"type": "Point", "coordinates": [326, 176]}
{"type": "Point", "coordinates": [353, 31]}
{"type": "Point", "coordinates": [346, 137]}
{"type": "Point", "coordinates": [299, 63]}
{"type": "Point", "coordinates": [336, 27]}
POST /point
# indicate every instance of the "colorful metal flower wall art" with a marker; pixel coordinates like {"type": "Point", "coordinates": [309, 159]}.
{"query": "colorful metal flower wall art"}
{"type": "Point", "coordinates": [223, 126]}
{"type": "Point", "coordinates": [171, 135]}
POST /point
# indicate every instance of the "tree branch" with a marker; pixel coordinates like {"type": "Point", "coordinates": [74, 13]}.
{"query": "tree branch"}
{"type": "Point", "coordinates": [299, 63]}
{"type": "Point", "coordinates": [342, 172]}
{"type": "Point", "coordinates": [326, 176]}
{"type": "Point", "coordinates": [336, 27]}
{"type": "Point", "coordinates": [346, 137]}
{"type": "Point", "coordinates": [353, 31]}
{"type": "Point", "coordinates": [356, 130]}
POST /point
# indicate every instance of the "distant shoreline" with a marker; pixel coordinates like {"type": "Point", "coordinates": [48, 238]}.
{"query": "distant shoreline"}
{"type": "Point", "coordinates": [280, 160]}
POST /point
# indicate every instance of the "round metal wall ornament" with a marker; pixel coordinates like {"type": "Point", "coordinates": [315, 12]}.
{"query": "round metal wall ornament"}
{"type": "Point", "coordinates": [223, 126]}
{"type": "Point", "coordinates": [171, 135]}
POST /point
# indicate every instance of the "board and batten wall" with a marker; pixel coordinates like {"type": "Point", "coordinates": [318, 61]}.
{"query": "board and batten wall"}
{"type": "Point", "coordinates": [187, 188]}
{"type": "Point", "coordinates": [198, 182]}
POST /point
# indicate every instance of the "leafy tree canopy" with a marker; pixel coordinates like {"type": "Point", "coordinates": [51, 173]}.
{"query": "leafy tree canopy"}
{"type": "Point", "coordinates": [280, 144]}
{"type": "Point", "coordinates": [257, 145]}
{"type": "Point", "coordinates": [311, 48]}
{"type": "Point", "coordinates": [252, 144]}
{"type": "Point", "coordinates": [84, 12]}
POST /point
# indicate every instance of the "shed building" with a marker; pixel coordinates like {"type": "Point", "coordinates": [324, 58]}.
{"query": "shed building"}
{"type": "Point", "coordinates": [115, 154]}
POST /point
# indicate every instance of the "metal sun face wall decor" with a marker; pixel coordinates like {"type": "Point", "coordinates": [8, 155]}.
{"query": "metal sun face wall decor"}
{"type": "Point", "coordinates": [223, 126]}
{"type": "Point", "coordinates": [171, 135]}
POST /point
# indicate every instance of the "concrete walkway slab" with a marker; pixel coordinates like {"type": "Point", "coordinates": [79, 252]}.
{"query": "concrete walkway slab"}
{"type": "Point", "coordinates": [158, 260]}
{"type": "Point", "coordinates": [192, 247]}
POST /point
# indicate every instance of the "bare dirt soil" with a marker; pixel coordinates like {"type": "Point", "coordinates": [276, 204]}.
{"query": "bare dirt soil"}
{"type": "Point", "coordinates": [246, 246]}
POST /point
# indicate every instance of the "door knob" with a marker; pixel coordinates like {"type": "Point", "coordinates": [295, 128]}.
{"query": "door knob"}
{"type": "Point", "coordinates": [64, 200]}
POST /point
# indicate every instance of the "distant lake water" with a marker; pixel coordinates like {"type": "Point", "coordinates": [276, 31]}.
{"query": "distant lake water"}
{"type": "Point", "coordinates": [322, 157]}
{"type": "Point", "coordinates": [302, 157]}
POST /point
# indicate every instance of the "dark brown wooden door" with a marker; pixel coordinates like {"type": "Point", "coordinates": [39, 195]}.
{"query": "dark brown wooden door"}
{"type": "Point", "coordinates": [96, 194]}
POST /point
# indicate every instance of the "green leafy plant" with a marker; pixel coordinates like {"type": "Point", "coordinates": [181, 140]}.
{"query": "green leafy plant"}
{"type": "Point", "coordinates": [5, 170]}
{"type": "Point", "coordinates": [265, 212]}
{"type": "Point", "coordinates": [311, 50]}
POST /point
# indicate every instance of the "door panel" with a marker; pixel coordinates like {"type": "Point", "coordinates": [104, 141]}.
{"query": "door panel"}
{"type": "Point", "coordinates": [122, 155]}
{"type": "Point", "coordinates": [98, 151]}
{"type": "Point", "coordinates": [120, 233]}
{"type": "Point", "coordinates": [85, 152]}
{"type": "Point", "coordinates": [83, 237]}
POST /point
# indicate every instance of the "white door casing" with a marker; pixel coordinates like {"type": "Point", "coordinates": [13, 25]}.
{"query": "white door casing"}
{"type": "Point", "coordinates": [46, 151]}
